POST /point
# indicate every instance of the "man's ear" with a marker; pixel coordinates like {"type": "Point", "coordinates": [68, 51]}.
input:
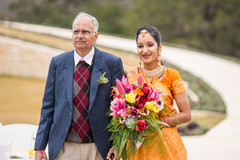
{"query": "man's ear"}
{"type": "Point", "coordinates": [96, 35]}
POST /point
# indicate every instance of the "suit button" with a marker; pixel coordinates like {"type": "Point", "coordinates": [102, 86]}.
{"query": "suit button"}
{"type": "Point", "coordinates": [70, 113]}
{"type": "Point", "coordinates": [66, 129]}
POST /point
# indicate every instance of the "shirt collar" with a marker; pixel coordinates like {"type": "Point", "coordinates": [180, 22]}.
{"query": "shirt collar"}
{"type": "Point", "coordinates": [88, 58]}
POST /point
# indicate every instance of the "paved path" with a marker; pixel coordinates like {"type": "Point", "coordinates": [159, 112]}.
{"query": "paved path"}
{"type": "Point", "coordinates": [223, 141]}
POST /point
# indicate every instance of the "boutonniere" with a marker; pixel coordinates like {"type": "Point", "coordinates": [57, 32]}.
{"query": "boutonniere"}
{"type": "Point", "coordinates": [103, 79]}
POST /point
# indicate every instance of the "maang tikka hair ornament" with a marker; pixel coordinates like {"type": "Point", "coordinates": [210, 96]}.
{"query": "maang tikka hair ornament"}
{"type": "Point", "coordinates": [143, 32]}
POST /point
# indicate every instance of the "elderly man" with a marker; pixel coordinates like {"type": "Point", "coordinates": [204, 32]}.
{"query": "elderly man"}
{"type": "Point", "coordinates": [77, 96]}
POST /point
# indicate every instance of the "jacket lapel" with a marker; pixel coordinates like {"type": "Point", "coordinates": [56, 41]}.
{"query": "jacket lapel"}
{"type": "Point", "coordinates": [68, 77]}
{"type": "Point", "coordinates": [96, 74]}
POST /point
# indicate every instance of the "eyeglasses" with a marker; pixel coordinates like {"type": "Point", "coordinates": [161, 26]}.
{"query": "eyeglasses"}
{"type": "Point", "coordinates": [84, 32]}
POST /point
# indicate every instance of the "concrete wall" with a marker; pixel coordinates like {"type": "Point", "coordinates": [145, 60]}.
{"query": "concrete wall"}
{"type": "Point", "coordinates": [23, 58]}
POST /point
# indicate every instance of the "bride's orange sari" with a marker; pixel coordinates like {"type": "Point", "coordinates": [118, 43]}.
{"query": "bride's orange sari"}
{"type": "Point", "coordinates": [174, 148]}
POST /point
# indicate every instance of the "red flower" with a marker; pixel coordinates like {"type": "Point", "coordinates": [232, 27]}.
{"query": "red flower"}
{"type": "Point", "coordinates": [134, 87]}
{"type": "Point", "coordinates": [116, 96]}
{"type": "Point", "coordinates": [137, 128]}
{"type": "Point", "coordinates": [146, 89]}
{"type": "Point", "coordinates": [141, 124]}
{"type": "Point", "coordinates": [143, 99]}
{"type": "Point", "coordinates": [139, 104]}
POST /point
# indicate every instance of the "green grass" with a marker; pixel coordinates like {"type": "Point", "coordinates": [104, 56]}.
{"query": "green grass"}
{"type": "Point", "coordinates": [205, 120]}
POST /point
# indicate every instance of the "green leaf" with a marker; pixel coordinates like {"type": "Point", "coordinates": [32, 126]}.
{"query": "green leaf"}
{"type": "Point", "coordinates": [124, 140]}
{"type": "Point", "coordinates": [155, 125]}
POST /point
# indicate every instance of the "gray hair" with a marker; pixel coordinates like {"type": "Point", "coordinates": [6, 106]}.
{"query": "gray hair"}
{"type": "Point", "coordinates": [94, 20]}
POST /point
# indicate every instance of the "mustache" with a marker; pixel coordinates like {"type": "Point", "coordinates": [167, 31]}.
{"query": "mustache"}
{"type": "Point", "coordinates": [80, 40]}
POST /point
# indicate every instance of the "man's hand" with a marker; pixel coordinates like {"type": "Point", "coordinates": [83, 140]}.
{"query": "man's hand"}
{"type": "Point", "coordinates": [112, 154]}
{"type": "Point", "coordinates": [40, 155]}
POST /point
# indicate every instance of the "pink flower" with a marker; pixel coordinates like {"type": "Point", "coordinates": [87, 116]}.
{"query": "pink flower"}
{"type": "Point", "coordinates": [120, 88]}
{"type": "Point", "coordinates": [124, 81]}
{"type": "Point", "coordinates": [118, 107]}
{"type": "Point", "coordinates": [145, 112]}
{"type": "Point", "coordinates": [128, 88]}
{"type": "Point", "coordinates": [153, 95]}
{"type": "Point", "coordinates": [125, 85]}
{"type": "Point", "coordinates": [134, 112]}
{"type": "Point", "coordinates": [140, 81]}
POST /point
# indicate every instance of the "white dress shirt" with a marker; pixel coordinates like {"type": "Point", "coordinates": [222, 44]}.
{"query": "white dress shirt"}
{"type": "Point", "coordinates": [88, 58]}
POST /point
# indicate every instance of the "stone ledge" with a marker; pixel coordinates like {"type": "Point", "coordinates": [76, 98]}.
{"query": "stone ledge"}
{"type": "Point", "coordinates": [21, 58]}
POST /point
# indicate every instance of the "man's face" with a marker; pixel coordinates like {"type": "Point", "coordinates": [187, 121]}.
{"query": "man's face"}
{"type": "Point", "coordinates": [83, 35]}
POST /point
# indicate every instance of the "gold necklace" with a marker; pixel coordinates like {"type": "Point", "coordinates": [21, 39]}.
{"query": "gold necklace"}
{"type": "Point", "coordinates": [157, 73]}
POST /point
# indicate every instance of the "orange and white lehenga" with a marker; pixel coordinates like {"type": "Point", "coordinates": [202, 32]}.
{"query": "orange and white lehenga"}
{"type": "Point", "coordinates": [171, 84]}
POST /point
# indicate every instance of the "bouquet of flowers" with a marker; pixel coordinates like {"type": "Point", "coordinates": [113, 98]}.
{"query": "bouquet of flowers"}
{"type": "Point", "coordinates": [135, 113]}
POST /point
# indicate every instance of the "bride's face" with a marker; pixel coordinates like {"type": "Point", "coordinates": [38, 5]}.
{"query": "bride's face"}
{"type": "Point", "coordinates": [148, 50]}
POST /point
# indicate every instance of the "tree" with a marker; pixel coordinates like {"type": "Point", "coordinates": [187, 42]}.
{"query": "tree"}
{"type": "Point", "coordinates": [210, 25]}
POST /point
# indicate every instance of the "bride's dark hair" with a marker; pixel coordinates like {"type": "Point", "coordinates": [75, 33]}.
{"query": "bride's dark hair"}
{"type": "Point", "coordinates": [153, 31]}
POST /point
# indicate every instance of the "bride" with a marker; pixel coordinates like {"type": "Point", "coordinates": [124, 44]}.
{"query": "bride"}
{"type": "Point", "coordinates": [169, 82]}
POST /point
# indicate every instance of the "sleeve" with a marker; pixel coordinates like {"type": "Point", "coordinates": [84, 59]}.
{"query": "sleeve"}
{"type": "Point", "coordinates": [47, 110]}
{"type": "Point", "coordinates": [177, 85]}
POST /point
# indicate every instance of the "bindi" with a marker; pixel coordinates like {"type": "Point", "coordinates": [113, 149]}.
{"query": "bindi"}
{"type": "Point", "coordinates": [143, 32]}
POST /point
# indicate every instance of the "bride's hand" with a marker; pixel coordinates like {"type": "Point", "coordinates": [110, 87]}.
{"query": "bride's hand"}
{"type": "Point", "coordinates": [112, 154]}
